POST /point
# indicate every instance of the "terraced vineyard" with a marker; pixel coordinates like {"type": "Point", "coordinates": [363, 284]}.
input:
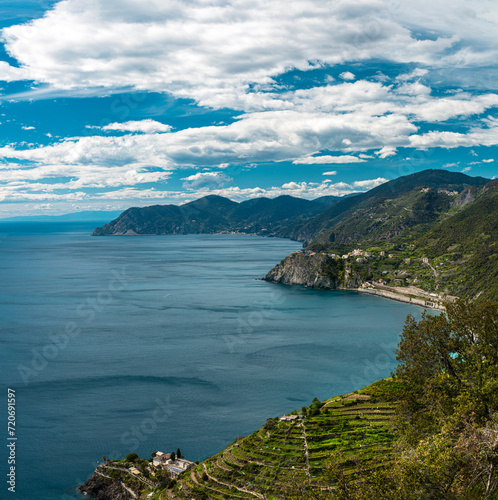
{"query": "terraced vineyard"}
{"type": "Point", "coordinates": [349, 433]}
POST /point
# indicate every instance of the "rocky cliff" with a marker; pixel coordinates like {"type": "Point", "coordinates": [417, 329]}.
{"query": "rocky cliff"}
{"type": "Point", "coordinates": [314, 270]}
{"type": "Point", "coordinates": [102, 487]}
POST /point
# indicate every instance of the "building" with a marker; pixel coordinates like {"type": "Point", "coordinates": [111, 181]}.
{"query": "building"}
{"type": "Point", "coordinates": [174, 467]}
{"type": "Point", "coordinates": [161, 459]}
{"type": "Point", "coordinates": [178, 466]}
{"type": "Point", "coordinates": [288, 418]}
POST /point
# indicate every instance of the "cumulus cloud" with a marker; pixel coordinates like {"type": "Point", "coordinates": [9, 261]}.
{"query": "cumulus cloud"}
{"type": "Point", "coordinates": [228, 54]}
{"type": "Point", "coordinates": [145, 126]}
{"type": "Point", "coordinates": [118, 198]}
{"type": "Point", "coordinates": [206, 180]}
{"type": "Point", "coordinates": [10, 73]}
{"type": "Point", "coordinates": [386, 151]}
{"type": "Point", "coordinates": [323, 160]}
{"type": "Point", "coordinates": [347, 75]}
{"type": "Point", "coordinates": [211, 51]}
{"type": "Point", "coordinates": [475, 137]}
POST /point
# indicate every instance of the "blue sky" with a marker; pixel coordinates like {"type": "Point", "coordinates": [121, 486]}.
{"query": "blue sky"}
{"type": "Point", "coordinates": [107, 104]}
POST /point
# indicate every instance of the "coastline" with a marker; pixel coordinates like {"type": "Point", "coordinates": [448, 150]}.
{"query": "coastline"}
{"type": "Point", "coordinates": [408, 297]}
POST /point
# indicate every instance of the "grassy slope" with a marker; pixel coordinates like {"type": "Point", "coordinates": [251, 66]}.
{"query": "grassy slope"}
{"type": "Point", "coordinates": [272, 461]}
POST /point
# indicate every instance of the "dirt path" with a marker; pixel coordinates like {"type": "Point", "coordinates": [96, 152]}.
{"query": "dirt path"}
{"type": "Point", "coordinates": [305, 441]}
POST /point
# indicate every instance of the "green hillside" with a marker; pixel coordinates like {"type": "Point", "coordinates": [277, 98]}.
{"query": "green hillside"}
{"type": "Point", "coordinates": [435, 240]}
{"type": "Point", "coordinates": [216, 214]}
{"type": "Point", "coordinates": [323, 224]}
{"type": "Point", "coordinates": [284, 459]}
{"type": "Point", "coordinates": [466, 247]}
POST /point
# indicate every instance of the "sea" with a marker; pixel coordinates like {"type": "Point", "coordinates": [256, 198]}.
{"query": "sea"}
{"type": "Point", "coordinates": [137, 344]}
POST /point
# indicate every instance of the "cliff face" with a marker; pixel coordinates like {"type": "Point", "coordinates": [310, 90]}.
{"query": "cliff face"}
{"type": "Point", "coordinates": [314, 271]}
{"type": "Point", "coordinates": [105, 488]}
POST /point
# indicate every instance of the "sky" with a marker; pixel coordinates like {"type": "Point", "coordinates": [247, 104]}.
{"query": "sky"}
{"type": "Point", "coordinates": [108, 104]}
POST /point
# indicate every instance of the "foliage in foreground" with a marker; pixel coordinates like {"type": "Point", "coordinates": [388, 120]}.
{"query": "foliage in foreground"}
{"type": "Point", "coordinates": [446, 420]}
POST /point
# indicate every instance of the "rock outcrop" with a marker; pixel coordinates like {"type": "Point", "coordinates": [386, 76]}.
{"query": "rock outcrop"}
{"type": "Point", "coordinates": [311, 270]}
{"type": "Point", "coordinates": [102, 487]}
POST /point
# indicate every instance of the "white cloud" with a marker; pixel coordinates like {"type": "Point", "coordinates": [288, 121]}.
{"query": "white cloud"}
{"type": "Point", "coordinates": [206, 180]}
{"type": "Point", "coordinates": [146, 126]}
{"type": "Point", "coordinates": [121, 198]}
{"type": "Point", "coordinates": [451, 165]}
{"type": "Point", "coordinates": [415, 74]}
{"type": "Point", "coordinates": [466, 169]}
{"type": "Point", "coordinates": [475, 137]}
{"type": "Point", "coordinates": [347, 75]}
{"type": "Point", "coordinates": [211, 51]}
{"type": "Point", "coordinates": [386, 151]}
{"type": "Point", "coordinates": [27, 127]}
{"type": "Point", "coordinates": [10, 73]}
{"type": "Point", "coordinates": [332, 172]}
{"type": "Point", "coordinates": [226, 54]}
{"type": "Point", "coordinates": [326, 159]}
{"type": "Point", "coordinates": [489, 160]}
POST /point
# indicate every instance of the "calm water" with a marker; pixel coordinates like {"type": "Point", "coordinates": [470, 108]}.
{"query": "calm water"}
{"type": "Point", "coordinates": [121, 344]}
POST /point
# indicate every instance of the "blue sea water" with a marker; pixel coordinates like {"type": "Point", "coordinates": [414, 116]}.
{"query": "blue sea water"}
{"type": "Point", "coordinates": [136, 344]}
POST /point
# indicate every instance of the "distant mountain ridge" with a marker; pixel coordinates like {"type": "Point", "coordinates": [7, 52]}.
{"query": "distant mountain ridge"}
{"type": "Point", "coordinates": [322, 226]}
{"type": "Point", "coordinates": [322, 220]}
{"type": "Point", "coordinates": [215, 214]}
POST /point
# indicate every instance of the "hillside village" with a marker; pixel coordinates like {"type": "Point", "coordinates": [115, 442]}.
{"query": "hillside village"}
{"type": "Point", "coordinates": [392, 275]}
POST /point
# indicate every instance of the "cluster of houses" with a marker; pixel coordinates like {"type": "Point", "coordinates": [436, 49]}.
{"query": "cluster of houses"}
{"type": "Point", "coordinates": [361, 255]}
{"type": "Point", "coordinates": [174, 465]}
{"type": "Point", "coordinates": [440, 191]}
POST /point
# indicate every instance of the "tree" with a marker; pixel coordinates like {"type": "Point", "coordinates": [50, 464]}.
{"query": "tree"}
{"type": "Point", "coordinates": [448, 370]}
{"type": "Point", "coordinates": [173, 457]}
{"type": "Point", "coordinates": [131, 457]}
{"type": "Point", "coordinates": [179, 453]}
{"type": "Point", "coordinates": [448, 367]}
{"type": "Point", "coordinates": [448, 380]}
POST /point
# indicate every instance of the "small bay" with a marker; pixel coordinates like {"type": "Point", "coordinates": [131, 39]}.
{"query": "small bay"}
{"type": "Point", "coordinates": [135, 344]}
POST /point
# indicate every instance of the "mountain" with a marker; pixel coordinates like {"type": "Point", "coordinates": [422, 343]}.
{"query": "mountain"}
{"type": "Point", "coordinates": [322, 226]}
{"type": "Point", "coordinates": [215, 214]}
{"type": "Point", "coordinates": [465, 247]}
{"type": "Point", "coordinates": [423, 246]}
